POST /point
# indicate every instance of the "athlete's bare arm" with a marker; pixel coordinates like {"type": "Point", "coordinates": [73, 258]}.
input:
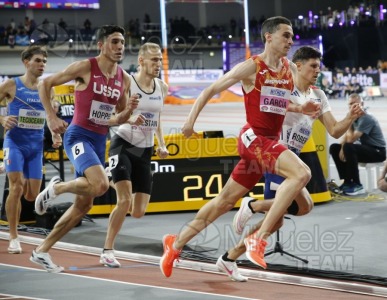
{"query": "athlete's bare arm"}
{"type": "Point", "coordinates": [125, 104]}
{"type": "Point", "coordinates": [7, 93]}
{"type": "Point", "coordinates": [75, 71]}
{"type": "Point", "coordinates": [161, 150]}
{"type": "Point", "coordinates": [240, 72]}
{"type": "Point", "coordinates": [337, 128]}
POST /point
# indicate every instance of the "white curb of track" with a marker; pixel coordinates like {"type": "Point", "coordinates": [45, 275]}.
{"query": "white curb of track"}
{"type": "Point", "coordinates": [357, 288]}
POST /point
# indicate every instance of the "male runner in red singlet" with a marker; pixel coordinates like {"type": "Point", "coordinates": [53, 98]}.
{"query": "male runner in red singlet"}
{"type": "Point", "coordinates": [296, 130]}
{"type": "Point", "coordinates": [267, 83]}
{"type": "Point", "coordinates": [101, 87]}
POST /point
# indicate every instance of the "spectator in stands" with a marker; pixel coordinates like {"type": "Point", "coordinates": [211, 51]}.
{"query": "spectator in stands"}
{"type": "Point", "coordinates": [27, 24]}
{"type": "Point", "coordinates": [363, 142]}
{"type": "Point", "coordinates": [233, 25]}
{"type": "Point", "coordinates": [353, 87]}
{"type": "Point", "coordinates": [12, 24]}
{"type": "Point", "coordinates": [62, 23]}
{"type": "Point", "coordinates": [241, 27]}
{"type": "Point", "coordinates": [10, 36]}
{"type": "Point", "coordinates": [332, 90]}
{"type": "Point", "coordinates": [147, 21]}
{"type": "Point", "coordinates": [371, 70]}
{"type": "Point", "coordinates": [382, 181]}
{"type": "Point", "coordinates": [87, 25]}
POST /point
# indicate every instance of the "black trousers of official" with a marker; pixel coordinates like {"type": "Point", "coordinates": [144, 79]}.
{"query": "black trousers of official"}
{"type": "Point", "coordinates": [355, 153]}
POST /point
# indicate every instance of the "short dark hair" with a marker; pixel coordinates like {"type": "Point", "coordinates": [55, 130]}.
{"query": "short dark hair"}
{"type": "Point", "coordinates": [271, 25]}
{"type": "Point", "coordinates": [107, 30]}
{"type": "Point", "coordinates": [33, 50]}
{"type": "Point", "coordinates": [305, 53]}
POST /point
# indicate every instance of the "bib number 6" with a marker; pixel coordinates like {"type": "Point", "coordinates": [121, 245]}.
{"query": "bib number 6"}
{"type": "Point", "coordinates": [77, 150]}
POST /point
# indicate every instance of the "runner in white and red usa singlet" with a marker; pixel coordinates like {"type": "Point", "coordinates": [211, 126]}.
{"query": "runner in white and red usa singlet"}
{"type": "Point", "coordinates": [95, 105]}
{"type": "Point", "coordinates": [101, 100]}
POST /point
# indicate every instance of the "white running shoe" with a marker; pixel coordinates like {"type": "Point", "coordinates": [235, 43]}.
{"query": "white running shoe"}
{"type": "Point", "coordinates": [46, 196]}
{"type": "Point", "coordinates": [14, 246]}
{"type": "Point", "coordinates": [44, 260]}
{"type": "Point", "coordinates": [243, 215]}
{"type": "Point", "coordinates": [109, 260]}
{"type": "Point", "coordinates": [231, 269]}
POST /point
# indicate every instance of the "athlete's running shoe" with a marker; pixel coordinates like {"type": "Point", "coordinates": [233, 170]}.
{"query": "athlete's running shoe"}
{"type": "Point", "coordinates": [243, 215]}
{"type": "Point", "coordinates": [231, 269]}
{"type": "Point", "coordinates": [108, 259]}
{"type": "Point", "coordinates": [46, 196]}
{"type": "Point", "coordinates": [14, 246]}
{"type": "Point", "coordinates": [255, 250]}
{"type": "Point", "coordinates": [170, 255]}
{"type": "Point", "coordinates": [44, 260]}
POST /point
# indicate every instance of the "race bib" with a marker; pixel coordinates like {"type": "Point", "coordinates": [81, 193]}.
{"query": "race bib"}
{"type": "Point", "coordinates": [248, 137]}
{"type": "Point", "coordinates": [274, 100]}
{"type": "Point", "coordinates": [299, 135]}
{"type": "Point", "coordinates": [100, 112]}
{"type": "Point", "coordinates": [113, 161]}
{"type": "Point", "coordinates": [151, 121]}
{"type": "Point", "coordinates": [31, 119]}
{"type": "Point", "coordinates": [77, 150]}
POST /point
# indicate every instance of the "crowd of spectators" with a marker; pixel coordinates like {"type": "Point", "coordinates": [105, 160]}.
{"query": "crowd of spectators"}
{"type": "Point", "coordinates": [335, 87]}
{"type": "Point", "coordinates": [358, 13]}
{"type": "Point", "coordinates": [20, 33]}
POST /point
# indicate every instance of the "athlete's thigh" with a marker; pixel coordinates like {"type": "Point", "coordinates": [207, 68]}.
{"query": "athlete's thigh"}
{"type": "Point", "coordinates": [13, 156]}
{"type": "Point", "coordinates": [119, 162]}
{"type": "Point", "coordinates": [142, 173]}
{"type": "Point", "coordinates": [84, 151]}
{"type": "Point", "coordinates": [289, 164]}
{"type": "Point", "coordinates": [33, 164]}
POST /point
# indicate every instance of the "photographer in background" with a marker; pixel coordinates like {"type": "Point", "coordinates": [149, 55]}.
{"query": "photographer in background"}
{"type": "Point", "coordinates": [363, 142]}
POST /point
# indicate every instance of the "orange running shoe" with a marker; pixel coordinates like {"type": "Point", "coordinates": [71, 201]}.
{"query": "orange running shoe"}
{"type": "Point", "coordinates": [170, 255]}
{"type": "Point", "coordinates": [255, 250]}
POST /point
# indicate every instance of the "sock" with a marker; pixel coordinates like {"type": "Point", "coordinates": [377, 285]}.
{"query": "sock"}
{"type": "Point", "coordinates": [249, 205]}
{"type": "Point", "coordinates": [225, 258]}
{"type": "Point", "coordinates": [104, 249]}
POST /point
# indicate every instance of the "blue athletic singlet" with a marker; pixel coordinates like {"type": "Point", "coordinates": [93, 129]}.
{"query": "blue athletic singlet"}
{"type": "Point", "coordinates": [23, 144]}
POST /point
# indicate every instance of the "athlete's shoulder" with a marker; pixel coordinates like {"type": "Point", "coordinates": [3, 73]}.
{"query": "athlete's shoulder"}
{"type": "Point", "coordinates": [161, 83]}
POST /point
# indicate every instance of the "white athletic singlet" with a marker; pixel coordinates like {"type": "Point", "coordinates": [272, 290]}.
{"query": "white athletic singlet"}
{"type": "Point", "coordinates": [150, 106]}
{"type": "Point", "coordinates": [297, 127]}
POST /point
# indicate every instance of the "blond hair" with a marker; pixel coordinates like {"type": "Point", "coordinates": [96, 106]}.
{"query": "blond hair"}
{"type": "Point", "coordinates": [148, 48]}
